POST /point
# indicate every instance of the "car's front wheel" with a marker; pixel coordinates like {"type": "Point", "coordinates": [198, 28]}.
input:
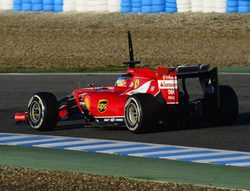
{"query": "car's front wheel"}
{"type": "Point", "coordinates": [43, 111]}
{"type": "Point", "coordinates": [141, 113]}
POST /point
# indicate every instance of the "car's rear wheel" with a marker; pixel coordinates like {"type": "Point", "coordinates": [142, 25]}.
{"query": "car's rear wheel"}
{"type": "Point", "coordinates": [141, 113]}
{"type": "Point", "coordinates": [229, 107]}
{"type": "Point", "coordinates": [43, 111]}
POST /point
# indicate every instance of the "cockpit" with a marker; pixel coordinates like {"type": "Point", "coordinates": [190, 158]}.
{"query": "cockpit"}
{"type": "Point", "coordinates": [123, 81]}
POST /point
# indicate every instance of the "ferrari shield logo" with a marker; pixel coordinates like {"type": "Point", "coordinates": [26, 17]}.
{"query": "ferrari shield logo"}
{"type": "Point", "coordinates": [102, 105]}
{"type": "Point", "coordinates": [137, 83]}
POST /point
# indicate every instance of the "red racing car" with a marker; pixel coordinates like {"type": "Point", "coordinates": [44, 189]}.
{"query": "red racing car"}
{"type": "Point", "coordinates": [141, 100]}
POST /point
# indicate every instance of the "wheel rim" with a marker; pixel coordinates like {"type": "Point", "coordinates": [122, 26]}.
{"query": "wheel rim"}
{"type": "Point", "coordinates": [35, 111]}
{"type": "Point", "coordinates": [132, 114]}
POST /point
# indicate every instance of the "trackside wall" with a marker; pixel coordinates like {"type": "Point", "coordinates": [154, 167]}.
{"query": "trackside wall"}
{"type": "Point", "coordinates": [129, 6]}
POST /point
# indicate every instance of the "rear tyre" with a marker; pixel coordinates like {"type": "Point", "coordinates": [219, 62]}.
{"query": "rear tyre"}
{"type": "Point", "coordinates": [141, 113]}
{"type": "Point", "coordinates": [43, 111]}
{"type": "Point", "coordinates": [229, 107]}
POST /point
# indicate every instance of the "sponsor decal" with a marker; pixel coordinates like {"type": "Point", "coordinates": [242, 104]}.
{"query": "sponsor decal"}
{"type": "Point", "coordinates": [152, 88]}
{"type": "Point", "coordinates": [87, 103]}
{"type": "Point", "coordinates": [119, 120]}
{"type": "Point", "coordinates": [137, 83]}
{"type": "Point", "coordinates": [113, 120]}
{"type": "Point", "coordinates": [167, 84]}
{"type": "Point", "coordinates": [102, 105]}
{"type": "Point", "coordinates": [171, 97]}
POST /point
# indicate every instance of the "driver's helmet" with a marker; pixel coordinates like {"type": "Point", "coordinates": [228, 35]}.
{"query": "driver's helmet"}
{"type": "Point", "coordinates": [123, 81]}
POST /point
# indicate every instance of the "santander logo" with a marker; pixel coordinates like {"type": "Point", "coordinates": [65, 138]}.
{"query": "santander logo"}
{"type": "Point", "coordinates": [167, 84]}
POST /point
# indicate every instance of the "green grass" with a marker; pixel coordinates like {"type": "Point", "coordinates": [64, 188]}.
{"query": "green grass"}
{"type": "Point", "coordinates": [235, 70]}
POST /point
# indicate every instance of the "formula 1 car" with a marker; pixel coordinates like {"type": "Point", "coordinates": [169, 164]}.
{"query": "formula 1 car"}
{"type": "Point", "coordinates": [141, 99]}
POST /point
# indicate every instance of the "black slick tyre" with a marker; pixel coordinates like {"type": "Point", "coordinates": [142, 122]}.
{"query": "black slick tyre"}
{"type": "Point", "coordinates": [43, 111]}
{"type": "Point", "coordinates": [229, 107]}
{"type": "Point", "coordinates": [141, 113]}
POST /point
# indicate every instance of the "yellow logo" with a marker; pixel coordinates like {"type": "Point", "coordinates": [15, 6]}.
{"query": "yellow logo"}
{"type": "Point", "coordinates": [137, 83]}
{"type": "Point", "coordinates": [102, 105]}
{"type": "Point", "coordinates": [87, 102]}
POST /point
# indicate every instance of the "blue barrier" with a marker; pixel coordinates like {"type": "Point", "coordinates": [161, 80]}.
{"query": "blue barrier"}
{"type": "Point", "coordinates": [171, 6]}
{"type": "Point", "coordinates": [48, 2]}
{"type": "Point", "coordinates": [158, 6]}
{"type": "Point", "coordinates": [126, 6]}
{"type": "Point", "coordinates": [26, 6]}
{"type": "Point", "coordinates": [37, 7]}
{"type": "Point", "coordinates": [58, 5]}
{"type": "Point", "coordinates": [18, 2]}
{"type": "Point", "coordinates": [232, 6]}
{"type": "Point", "coordinates": [244, 6]}
{"type": "Point", "coordinates": [58, 2]}
{"type": "Point", "coordinates": [37, 1]}
{"type": "Point", "coordinates": [136, 6]}
{"type": "Point", "coordinates": [146, 6]}
{"type": "Point", "coordinates": [17, 7]}
{"type": "Point", "coordinates": [48, 7]}
{"type": "Point", "coordinates": [58, 8]}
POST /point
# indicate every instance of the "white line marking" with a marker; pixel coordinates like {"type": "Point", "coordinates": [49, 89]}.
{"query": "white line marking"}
{"type": "Point", "coordinates": [134, 149]}
{"type": "Point", "coordinates": [111, 143]}
{"type": "Point", "coordinates": [165, 152]}
{"type": "Point", "coordinates": [192, 155]}
{"type": "Point", "coordinates": [15, 137]}
{"type": "Point", "coordinates": [222, 159]}
{"type": "Point", "coordinates": [97, 146]}
{"type": "Point", "coordinates": [65, 143]}
{"type": "Point", "coordinates": [34, 141]}
{"type": "Point", "coordinates": [239, 164]}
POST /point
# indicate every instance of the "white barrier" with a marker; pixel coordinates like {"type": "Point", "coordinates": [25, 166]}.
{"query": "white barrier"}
{"type": "Point", "coordinates": [114, 5]}
{"type": "Point", "coordinates": [208, 6]}
{"type": "Point", "coordinates": [82, 5]}
{"type": "Point", "coordinates": [183, 5]}
{"type": "Point", "coordinates": [98, 5]}
{"type": "Point", "coordinates": [220, 6]}
{"type": "Point", "coordinates": [196, 5]}
{"type": "Point", "coordinates": [6, 4]}
{"type": "Point", "coordinates": [69, 5]}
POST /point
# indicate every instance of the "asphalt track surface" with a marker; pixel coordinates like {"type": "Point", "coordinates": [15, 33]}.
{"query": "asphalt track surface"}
{"type": "Point", "coordinates": [16, 90]}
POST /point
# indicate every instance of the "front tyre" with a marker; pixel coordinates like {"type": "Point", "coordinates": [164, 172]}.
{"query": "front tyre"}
{"type": "Point", "coordinates": [43, 111]}
{"type": "Point", "coordinates": [141, 113]}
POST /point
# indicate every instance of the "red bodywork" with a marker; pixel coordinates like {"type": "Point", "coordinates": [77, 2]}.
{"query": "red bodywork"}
{"type": "Point", "coordinates": [114, 97]}
{"type": "Point", "coordinates": [108, 103]}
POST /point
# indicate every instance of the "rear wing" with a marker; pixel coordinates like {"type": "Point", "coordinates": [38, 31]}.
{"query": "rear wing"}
{"type": "Point", "coordinates": [191, 71]}
{"type": "Point", "coordinates": [208, 79]}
